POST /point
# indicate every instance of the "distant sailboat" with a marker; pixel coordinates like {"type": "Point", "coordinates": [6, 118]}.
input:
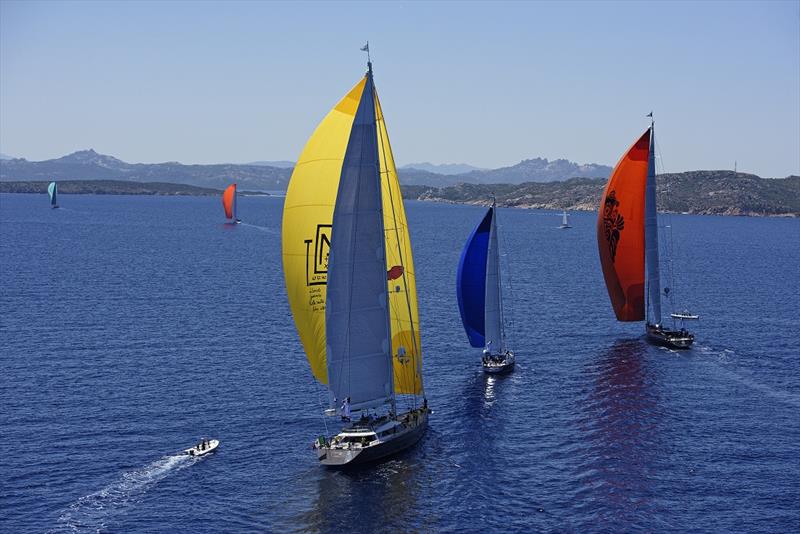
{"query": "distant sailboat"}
{"type": "Point", "coordinates": [479, 295]}
{"type": "Point", "coordinates": [229, 203]}
{"type": "Point", "coordinates": [564, 221]}
{"type": "Point", "coordinates": [52, 191]}
{"type": "Point", "coordinates": [627, 239]}
{"type": "Point", "coordinates": [351, 284]}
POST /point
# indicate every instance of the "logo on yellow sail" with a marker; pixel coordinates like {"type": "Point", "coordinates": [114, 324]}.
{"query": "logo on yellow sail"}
{"type": "Point", "coordinates": [317, 252]}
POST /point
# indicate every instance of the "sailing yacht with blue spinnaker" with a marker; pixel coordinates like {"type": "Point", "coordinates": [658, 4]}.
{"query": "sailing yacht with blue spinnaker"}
{"type": "Point", "coordinates": [479, 293]}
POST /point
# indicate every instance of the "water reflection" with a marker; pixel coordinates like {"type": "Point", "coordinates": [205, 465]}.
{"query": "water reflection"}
{"type": "Point", "coordinates": [374, 498]}
{"type": "Point", "coordinates": [620, 420]}
{"type": "Point", "coordinates": [493, 389]}
{"type": "Point", "coordinates": [481, 434]}
{"type": "Point", "coordinates": [488, 391]}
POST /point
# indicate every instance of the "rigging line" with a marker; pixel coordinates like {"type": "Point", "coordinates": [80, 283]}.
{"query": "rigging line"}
{"type": "Point", "coordinates": [499, 281]}
{"type": "Point", "coordinates": [317, 387]}
{"type": "Point", "coordinates": [321, 405]}
{"type": "Point", "coordinates": [508, 277]}
{"type": "Point", "coordinates": [417, 350]}
{"type": "Point", "coordinates": [669, 246]}
{"type": "Point", "coordinates": [375, 107]}
{"type": "Point", "coordinates": [510, 286]}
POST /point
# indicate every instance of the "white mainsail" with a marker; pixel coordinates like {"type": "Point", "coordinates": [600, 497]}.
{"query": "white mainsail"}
{"type": "Point", "coordinates": [653, 309]}
{"type": "Point", "coordinates": [493, 311]}
{"type": "Point", "coordinates": [357, 324]}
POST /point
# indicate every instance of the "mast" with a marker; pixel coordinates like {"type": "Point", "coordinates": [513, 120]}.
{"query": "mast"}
{"type": "Point", "coordinates": [653, 307]}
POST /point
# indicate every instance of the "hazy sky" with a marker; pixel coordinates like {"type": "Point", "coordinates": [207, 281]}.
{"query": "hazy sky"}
{"type": "Point", "coordinates": [482, 83]}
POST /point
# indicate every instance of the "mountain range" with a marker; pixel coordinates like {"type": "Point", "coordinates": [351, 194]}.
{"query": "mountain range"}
{"type": "Point", "coordinates": [533, 183]}
{"type": "Point", "coordinates": [274, 175]}
{"type": "Point", "coordinates": [442, 168]}
{"type": "Point", "coordinates": [281, 164]}
{"type": "Point", "coordinates": [89, 165]}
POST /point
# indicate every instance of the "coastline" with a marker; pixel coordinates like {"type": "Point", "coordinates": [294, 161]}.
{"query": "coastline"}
{"type": "Point", "coordinates": [766, 197]}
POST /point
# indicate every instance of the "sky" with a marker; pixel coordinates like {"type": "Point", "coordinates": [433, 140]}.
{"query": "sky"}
{"type": "Point", "coordinates": [487, 84]}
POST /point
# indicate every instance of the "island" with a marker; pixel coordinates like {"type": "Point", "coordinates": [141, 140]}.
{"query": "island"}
{"type": "Point", "coordinates": [109, 187]}
{"type": "Point", "coordinates": [694, 192]}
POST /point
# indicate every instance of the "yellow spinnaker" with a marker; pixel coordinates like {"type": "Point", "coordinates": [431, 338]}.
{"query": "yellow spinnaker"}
{"type": "Point", "coordinates": [307, 218]}
{"type": "Point", "coordinates": [403, 290]}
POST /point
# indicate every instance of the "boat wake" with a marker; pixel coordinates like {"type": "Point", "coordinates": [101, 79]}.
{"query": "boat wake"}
{"type": "Point", "coordinates": [719, 358]}
{"type": "Point", "coordinates": [95, 511]}
{"type": "Point", "coordinates": [62, 209]}
{"type": "Point", "coordinates": [262, 228]}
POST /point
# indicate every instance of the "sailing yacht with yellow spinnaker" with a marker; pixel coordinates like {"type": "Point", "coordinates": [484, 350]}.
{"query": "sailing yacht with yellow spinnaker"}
{"type": "Point", "coordinates": [350, 280]}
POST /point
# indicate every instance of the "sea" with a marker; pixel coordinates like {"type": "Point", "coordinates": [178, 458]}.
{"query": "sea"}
{"type": "Point", "coordinates": [133, 326]}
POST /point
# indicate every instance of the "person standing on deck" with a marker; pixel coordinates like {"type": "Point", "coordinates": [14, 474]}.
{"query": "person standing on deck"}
{"type": "Point", "coordinates": [346, 409]}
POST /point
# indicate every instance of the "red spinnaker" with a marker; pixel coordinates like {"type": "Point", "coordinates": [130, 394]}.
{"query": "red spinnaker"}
{"type": "Point", "coordinates": [228, 198]}
{"type": "Point", "coordinates": [620, 232]}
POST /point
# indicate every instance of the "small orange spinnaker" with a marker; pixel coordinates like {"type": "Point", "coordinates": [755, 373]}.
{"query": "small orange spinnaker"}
{"type": "Point", "coordinates": [229, 202]}
{"type": "Point", "coordinates": [620, 232]}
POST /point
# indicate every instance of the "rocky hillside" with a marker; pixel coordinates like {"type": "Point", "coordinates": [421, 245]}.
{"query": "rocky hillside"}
{"type": "Point", "coordinates": [698, 192]}
{"type": "Point", "coordinates": [536, 170]}
{"type": "Point", "coordinates": [557, 184]}
{"type": "Point", "coordinates": [109, 187]}
{"type": "Point", "coordinates": [89, 165]}
{"type": "Point", "coordinates": [274, 175]}
{"type": "Point", "coordinates": [442, 168]}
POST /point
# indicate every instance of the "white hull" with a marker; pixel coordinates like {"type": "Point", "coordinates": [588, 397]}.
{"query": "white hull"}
{"type": "Point", "coordinates": [375, 445]}
{"type": "Point", "coordinates": [684, 316]}
{"type": "Point", "coordinates": [674, 339]}
{"type": "Point", "coordinates": [499, 363]}
{"type": "Point", "coordinates": [196, 451]}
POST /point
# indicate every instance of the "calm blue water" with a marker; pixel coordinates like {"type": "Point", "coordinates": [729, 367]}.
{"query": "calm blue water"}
{"type": "Point", "coordinates": [131, 326]}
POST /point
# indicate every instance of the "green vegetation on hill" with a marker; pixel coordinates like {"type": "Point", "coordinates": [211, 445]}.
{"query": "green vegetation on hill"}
{"type": "Point", "coordinates": [109, 187]}
{"type": "Point", "coordinates": [698, 192]}
{"type": "Point", "coordinates": [89, 165]}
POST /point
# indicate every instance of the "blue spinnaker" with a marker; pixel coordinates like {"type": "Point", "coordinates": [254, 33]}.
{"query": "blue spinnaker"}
{"type": "Point", "coordinates": [471, 281]}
